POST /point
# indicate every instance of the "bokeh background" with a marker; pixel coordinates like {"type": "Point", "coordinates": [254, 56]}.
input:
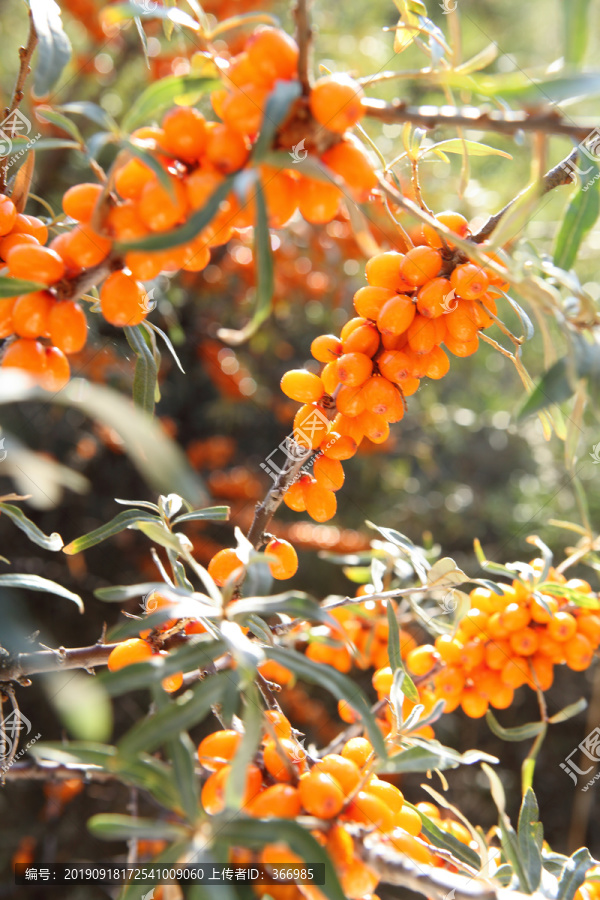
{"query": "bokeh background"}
{"type": "Point", "coordinates": [456, 468]}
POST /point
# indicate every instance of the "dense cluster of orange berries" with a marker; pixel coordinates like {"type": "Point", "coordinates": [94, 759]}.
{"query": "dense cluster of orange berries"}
{"type": "Point", "coordinates": [412, 305]}
{"type": "Point", "coordinates": [338, 789]}
{"type": "Point", "coordinates": [226, 564]}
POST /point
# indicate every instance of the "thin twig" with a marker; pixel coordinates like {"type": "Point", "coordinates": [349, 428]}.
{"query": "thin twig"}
{"type": "Point", "coordinates": [53, 772]}
{"type": "Point", "coordinates": [304, 41]}
{"type": "Point", "coordinates": [268, 507]}
{"type": "Point", "coordinates": [19, 667]}
{"type": "Point", "coordinates": [25, 54]}
{"type": "Point", "coordinates": [549, 121]}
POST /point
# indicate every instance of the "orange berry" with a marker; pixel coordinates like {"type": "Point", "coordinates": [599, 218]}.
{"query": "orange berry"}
{"type": "Point", "coordinates": [497, 653]}
{"type": "Point", "coordinates": [31, 225]}
{"type": "Point", "coordinates": [589, 625]}
{"type": "Point", "coordinates": [461, 348]}
{"type": "Point", "coordinates": [294, 496]}
{"type": "Point", "coordinates": [80, 200]}
{"type": "Point", "coordinates": [132, 177]}
{"type": "Point", "coordinates": [438, 364]}
{"type": "Point", "coordinates": [474, 704]}
{"type": "Point", "coordinates": [329, 473]}
{"type": "Point", "coordinates": [383, 271]}
{"type": "Point", "coordinates": [358, 881]}
{"type": "Point", "coordinates": [353, 164]}
{"type": "Point", "coordinates": [389, 793]}
{"type": "Point", "coordinates": [452, 220]}
{"type": "Point", "coordinates": [26, 354]}
{"type": "Point", "coordinates": [318, 201]}
{"type": "Point", "coordinates": [172, 683]}
{"type": "Point", "coordinates": [380, 395]}
{"type": "Point", "coordinates": [31, 313]}
{"type": "Point", "coordinates": [515, 617]}
{"type": "Point", "coordinates": [542, 672]}
{"type": "Point", "coordinates": [345, 771]}
{"type": "Point", "coordinates": [213, 792]}
{"type": "Point", "coordinates": [184, 133]}
{"type": "Point", "coordinates": [449, 648]}
{"type": "Point", "coordinates": [326, 348]}
{"type": "Point", "coordinates": [29, 261]}
{"type": "Point", "coordinates": [338, 446]}
{"type": "Point", "coordinates": [302, 385]}
{"type": "Point", "coordinates": [279, 722]}
{"type": "Point", "coordinates": [422, 334]}
{"type": "Point", "coordinates": [410, 846]}
{"type": "Point", "coordinates": [350, 401]}
{"type": "Point", "coordinates": [524, 642]}
{"type": "Point", "coordinates": [469, 280]}
{"type": "Point", "coordinates": [321, 794]}
{"type": "Point", "coordinates": [369, 809]}
{"type": "Point", "coordinates": [225, 564]}
{"type": "Point", "coordinates": [128, 652]}
{"type": "Point", "coordinates": [6, 321]}
{"type": "Point", "coordinates": [420, 264]}
{"type": "Point", "coordinates": [321, 504]}
{"type": "Point", "coordinates": [514, 673]}
{"type": "Point", "coordinates": [286, 559]}
{"type": "Point", "coordinates": [310, 426]}
{"type": "Point", "coordinates": [274, 671]}
{"type": "Point", "coordinates": [335, 102]}
{"type": "Point", "coordinates": [461, 323]}
{"type": "Point", "coordinates": [396, 315]}
{"type": "Point", "coordinates": [16, 240]}
{"type": "Point", "coordinates": [226, 149]}
{"type": "Point", "coordinates": [274, 758]}
{"type": "Point", "coordinates": [340, 847]}
{"type": "Point", "coordinates": [279, 801]}
{"type": "Point", "coordinates": [57, 370]}
{"type": "Point", "coordinates": [8, 214]}
{"type": "Point", "coordinates": [374, 426]}
{"type": "Point", "coordinates": [67, 326]}
{"type": "Point", "coordinates": [358, 750]}
{"type": "Point", "coordinates": [86, 247]}
{"type": "Point", "coordinates": [160, 209]}
{"type": "Point", "coordinates": [243, 110]}
{"type": "Point", "coordinates": [579, 652]}
{"type": "Point", "coordinates": [272, 54]}
{"type": "Point", "coordinates": [122, 300]}
{"type": "Point", "coordinates": [409, 820]}
{"type": "Point", "coordinates": [421, 660]}
{"type": "Point", "coordinates": [562, 626]}
{"type": "Point", "coordinates": [218, 749]}
{"type": "Point", "coordinates": [353, 369]}
{"type": "Point", "coordinates": [369, 301]}
{"type": "Point", "coordinates": [362, 338]}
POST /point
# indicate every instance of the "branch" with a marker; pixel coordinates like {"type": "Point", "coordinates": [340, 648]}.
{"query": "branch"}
{"type": "Point", "coordinates": [25, 54]}
{"type": "Point", "coordinates": [50, 771]}
{"type": "Point", "coordinates": [19, 667]}
{"type": "Point", "coordinates": [549, 121]}
{"type": "Point", "coordinates": [560, 174]}
{"type": "Point", "coordinates": [268, 507]}
{"type": "Point", "coordinates": [72, 289]}
{"type": "Point", "coordinates": [303, 39]}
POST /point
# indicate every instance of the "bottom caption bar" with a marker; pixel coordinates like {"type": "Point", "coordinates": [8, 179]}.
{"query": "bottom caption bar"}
{"type": "Point", "coordinates": [154, 873]}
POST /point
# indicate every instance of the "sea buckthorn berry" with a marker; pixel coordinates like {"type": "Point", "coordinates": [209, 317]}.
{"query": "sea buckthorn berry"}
{"type": "Point", "coordinates": [396, 315]}
{"type": "Point", "coordinates": [369, 809]}
{"type": "Point", "coordinates": [329, 473]}
{"type": "Point", "coordinates": [26, 354]}
{"type": "Point", "coordinates": [122, 300]}
{"type": "Point", "coordinates": [408, 819]}
{"type": "Point", "coordinates": [383, 271]}
{"type": "Point", "coordinates": [422, 334]}
{"type": "Point", "coordinates": [25, 224]}
{"type": "Point", "coordinates": [128, 652]}
{"type": "Point", "coordinates": [589, 625]}
{"type": "Point", "coordinates": [340, 847]}
{"type": "Point", "coordinates": [274, 671]}
{"type": "Point", "coordinates": [428, 809]}
{"type": "Point", "coordinates": [80, 200]}
{"type": "Point", "coordinates": [515, 617]}
{"type": "Point", "coordinates": [243, 110]}
{"type": "Point", "coordinates": [474, 704]}
{"type": "Point", "coordinates": [349, 401]}
{"type": "Point", "coordinates": [280, 763]}
{"type": "Point", "coordinates": [374, 426]}
{"type": "Point", "coordinates": [272, 54]}
{"type": "Point", "coordinates": [294, 496]}
{"type": "Point", "coordinates": [364, 338]}
{"type": "Point", "coordinates": [452, 220]}
{"type": "Point", "coordinates": [469, 281]}
{"type": "Point", "coordinates": [562, 626]}
{"type": "Point", "coordinates": [321, 504]}
{"type": "Point", "coordinates": [409, 845]}
{"type": "Point", "coordinates": [345, 771]}
{"type": "Point", "coordinates": [353, 164]}
{"type": "Point", "coordinates": [422, 659]}
{"type": "Point", "coordinates": [474, 623]}
{"type": "Point", "coordinates": [225, 564]}
{"type": "Point", "coordinates": [16, 240]}
{"type": "Point", "coordinates": [321, 794]}
{"type": "Point", "coordinates": [6, 322]}
{"type": "Point", "coordinates": [173, 682]}
{"type": "Point", "coordinates": [161, 209]}
{"type": "Point", "coordinates": [369, 301]}
{"type": "Point", "coordinates": [380, 395]}
{"type": "Point", "coordinates": [449, 648]}
{"type": "Point", "coordinates": [438, 364]}
{"type": "Point", "coordinates": [524, 642]}
{"type": "Point", "coordinates": [8, 214]}
{"type": "Point", "coordinates": [326, 348]}
{"type": "Point", "coordinates": [391, 795]}
{"type": "Point", "coordinates": [279, 722]}
{"type": "Point", "coordinates": [226, 149]}
{"type": "Point", "coordinates": [302, 385]}
{"type": "Point", "coordinates": [358, 750]}
{"type": "Point", "coordinates": [285, 564]}
{"type": "Point", "coordinates": [542, 672]}
{"type": "Point", "coordinates": [497, 653]}
{"type": "Point", "coordinates": [218, 749]}
{"type": "Point", "coordinates": [338, 446]}
{"type": "Point", "coordinates": [420, 264]}
{"type": "Point", "coordinates": [29, 261]}
{"type": "Point", "coordinates": [514, 672]}
{"type": "Point", "coordinates": [86, 247]}
{"type": "Point", "coordinates": [67, 326]}
{"type": "Point", "coordinates": [353, 369]}
{"type": "Point", "coordinates": [184, 133]}
{"type": "Point", "coordinates": [335, 102]}
{"type": "Point", "coordinates": [213, 792]}
{"type": "Point", "coordinates": [461, 348]}
{"type": "Point", "coordinates": [57, 371]}
{"type": "Point", "coordinates": [318, 202]}
{"type": "Point", "coordinates": [279, 801]}
{"type": "Point", "coordinates": [310, 426]}
{"type": "Point", "coordinates": [31, 313]}
{"type": "Point", "coordinates": [131, 178]}
{"type": "Point", "coordinates": [461, 322]}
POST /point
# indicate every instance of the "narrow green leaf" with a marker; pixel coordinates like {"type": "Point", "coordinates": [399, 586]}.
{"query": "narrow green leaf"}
{"type": "Point", "coordinates": [337, 684]}
{"type": "Point", "coordinates": [91, 111]}
{"type": "Point", "coordinates": [36, 535]}
{"type": "Point", "coordinates": [474, 148]}
{"type": "Point", "coordinates": [265, 275]}
{"type": "Point", "coordinates": [576, 31]}
{"type": "Point", "coordinates": [253, 725]}
{"type": "Point", "coordinates": [137, 10]}
{"type": "Point", "coordinates": [573, 874]}
{"type": "Point", "coordinates": [54, 47]}
{"type": "Point", "coordinates": [14, 287]}
{"type": "Point", "coordinates": [531, 837]}
{"type": "Point", "coordinates": [279, 103]}
{"type": "Point", "coordinates": [433, 756]}
{"type": "Point", "coordinates": [115, 827]}
{"type": "Point", "coordinates": [580, 216]}
{"type": "Point", "coordinates": [394, 655]}
{"type": "Point", "coordinates": [37, 583]}
{"type": "Point", "coordinates": [158, 534]}
{"type": "Point", "coordinates": [121, 521]}
{"type": "Point", "coordinates": [519, 733]}
{"type": "Point", "coordinates": [182, 753]}
{"type": "Point", "coordinates": [165, 93]}
{"type": "Point", "coordinates": [568, 712]}
{"type": "Point", "coordinates": [554, 387]}
{"type": "Point", "coordinates": [180, 715]}
{"type": "Point", "coordinates": [516, 217]}
{"type": "Point", "coordinates": [57, 118]}
{"type": "Point", "coordinates": [146, 370]}
{"type": "Point", "coordinates": [447, 841]}
{"type": "Point", "coordinates": [214, 513]}
{"type": "Point", "coordinates": [292, 603]}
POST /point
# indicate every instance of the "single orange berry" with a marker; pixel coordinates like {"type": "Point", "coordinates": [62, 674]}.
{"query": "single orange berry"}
{"type": "Point", "coordinates": [469, 280]}
{"type": "Point", "coordinates": [321, 504]}
{"type": "Point", "coordinates": [329, 473]}
{"type": "Point", "coordinates": [326, 348]}
{"type": "Point", "coordinates": [344, 770]}
{"type": "Point", "coordinates": [29, 261]}
{"type": "Point", "coordinates": [160, 209]}
{"type": "Point", "coordinates": [122, 300]}
{"type": "Point", "coordinates": [128, 652]}
{"type": "Point", "coordinates": [421, 660]}
{"type": "Point", "coordinates": [8, 214]}
{"type": "Point", "coordinates": [562, 626]}
{"type": "Point", "coordinates": [302, 385]}
{"type": "Point", "coordinates": [353, 164]}
{"type": "Point", "coordinates": [80, 200]}
{"type": "Point", "coordinates": [396, 315]}
{"type": "Point", "coordinates": [285, 564]}
{"type": "Point", "coordinates": [184, 133]}
{"type": "Point", "coordinates": [335, 102]}
{"type": "Point", "coordinates": [86, 247]}
{"type": "Point", "coordinates": [67, 326]}
{"type": "Point", "coordinates": [31, 313]}
{"type": "Point", "coordinates": [218, 749]}
{"type": "Point", "coordinates": [318, 201]}
{"type": "Point", "coordinates": [358, 750]}
{"type": "Point", "coordinates": [26, 354]}
{"type": "Point", "coordinates": [420, 264]}
{"type": "Point", "coordinates": [279, 801]}
{"type": "Point", "coordinates": [354, 368]}
{"type": "Point", "coordinates": [225, 564]}
{"type": "Point", "coordinates": [321, 795]}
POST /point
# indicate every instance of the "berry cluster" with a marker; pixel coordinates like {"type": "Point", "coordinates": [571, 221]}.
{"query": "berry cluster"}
{"type": "Point", "coordinates": [414, 303]}
{"type": "Point", "coordinates": [338, 789]}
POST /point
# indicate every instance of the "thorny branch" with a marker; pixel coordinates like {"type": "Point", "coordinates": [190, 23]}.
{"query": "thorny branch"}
{"type": "Point", "coordinates": [18, 668]}
{"type": "Point", "coordinates": [25, 54]}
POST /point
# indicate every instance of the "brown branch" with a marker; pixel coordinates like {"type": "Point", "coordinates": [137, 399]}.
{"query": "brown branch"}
{"type": "Point", "coordinates": [428, 117]}
{"type": "Point", "coordinates": [72, 289]}
{"type": "Point", "coordinates": [304, 40]}
{"type": "Point", "coordinates": [25, 54]}
{"type": "Point", "coordinates": [19, 667]}
{"type": "Point", "coordinates": [50, 771]}
{"type": "Point", "coordinates": [559, 175]}
{"type": "Point", "coordinates": [268, 507]}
